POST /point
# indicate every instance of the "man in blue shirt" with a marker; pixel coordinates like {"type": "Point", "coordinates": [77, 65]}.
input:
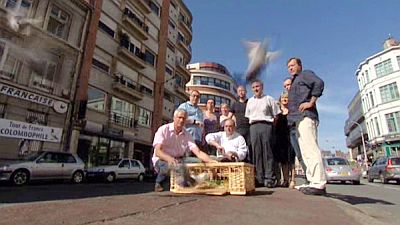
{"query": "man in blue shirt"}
{"type": "Point", "coordinates": [306, 88]}
{"type": "Point", "coordinates": [194, 122]}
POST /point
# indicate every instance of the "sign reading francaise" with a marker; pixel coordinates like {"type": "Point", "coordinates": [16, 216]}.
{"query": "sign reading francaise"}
{"type": "Point", "coordinates": [26, 95]}
{"type": "Point", "coordinates": [17, 129]}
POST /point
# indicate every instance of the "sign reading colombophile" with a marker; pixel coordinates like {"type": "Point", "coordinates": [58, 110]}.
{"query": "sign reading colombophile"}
{"type": "Point", "coordinates": [17, 129]}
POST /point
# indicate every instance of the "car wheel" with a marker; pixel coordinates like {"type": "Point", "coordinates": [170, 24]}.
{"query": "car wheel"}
{"type": "Point", "coordinates": [140, 177]}
{"type": "Point", "coordinates": [20, 177]}
{"type": "Point", "coordinates": [110, 177]}
{"type": "Point", "coordinates": [77, 177]}
{"type": "Point", "coordinates": [383, 179]}
{"type": "Point", "coordinates": [356, 182]}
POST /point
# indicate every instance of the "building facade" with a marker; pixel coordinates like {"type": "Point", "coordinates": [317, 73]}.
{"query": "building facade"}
{"type": "Point", "coordinates": [213, 81]}
{"type": "Point", "coordinates": [39, 66]}
{"type": "Point", "coordinates": [137, 74]}
{"type": "Point", "coordinates": [352, 127]}
{"type": "Point", "coordinates": [378, 78]}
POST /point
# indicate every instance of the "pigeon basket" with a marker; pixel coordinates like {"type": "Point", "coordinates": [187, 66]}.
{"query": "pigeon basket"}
{"type": "Point", "coordinates": [235, 178]}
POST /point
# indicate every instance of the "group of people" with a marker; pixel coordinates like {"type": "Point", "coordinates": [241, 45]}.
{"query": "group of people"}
{"type": "Point", "coordinates": [258, 130]}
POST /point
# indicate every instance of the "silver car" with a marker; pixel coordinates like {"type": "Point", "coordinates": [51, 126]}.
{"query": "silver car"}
{"type": "Point", "coordinates": [339, 169]}
{"type": "Point", "coordinates": [43, 165]}
{"type": "Point", "coordinates": [123, 169]}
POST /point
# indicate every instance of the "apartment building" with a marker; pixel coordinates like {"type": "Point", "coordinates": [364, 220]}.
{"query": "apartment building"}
{"type": "Point", "coordinates": [137, 76]}
{"type": "Point", "coordinates": [355, 127]}
{"type": "Point", "coordinates": [378, 79]}
{"type": "Point", "coordinates": [213, 81]}
{"type": "Point", "coordinates": [41, 48]}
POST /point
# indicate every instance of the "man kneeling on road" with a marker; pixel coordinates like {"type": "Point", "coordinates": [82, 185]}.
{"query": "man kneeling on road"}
{"type": "Point", "coordinates": [171, 143]}
{"type": "Point", "coordinates": [230, 144]}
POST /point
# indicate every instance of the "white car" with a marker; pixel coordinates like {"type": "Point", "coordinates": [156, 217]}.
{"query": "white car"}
{"type": "Point", "coordinates": [124, 169]}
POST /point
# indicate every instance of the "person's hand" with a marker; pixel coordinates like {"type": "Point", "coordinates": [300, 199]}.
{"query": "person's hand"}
{"type": "Point", "coordinates": [221, 149]}
{"type": "Point", "coordinates": [305, 105]}
{"type": "Point", "coordinates": [172, 162]}
{"type": "Point", "coordinates": [232, 156]}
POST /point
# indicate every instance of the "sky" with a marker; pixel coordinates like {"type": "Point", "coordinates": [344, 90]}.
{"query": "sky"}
{"type": "Point", "coordinates": [331, 37]}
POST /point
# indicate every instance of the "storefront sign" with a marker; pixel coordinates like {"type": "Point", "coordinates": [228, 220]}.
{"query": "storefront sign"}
{"type": "Point", "coordinates": [59, 106]}
{"type": "Point", "coordinates": [17, 129]}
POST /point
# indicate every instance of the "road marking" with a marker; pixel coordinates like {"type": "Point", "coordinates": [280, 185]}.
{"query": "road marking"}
{"type": "Point", "coordinates": [382, 185]}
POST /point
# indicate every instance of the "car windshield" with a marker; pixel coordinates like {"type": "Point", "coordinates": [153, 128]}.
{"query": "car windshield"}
{"type": "Point", "coordinates": [337, 162]}
{"type": "Point", "coordinates": [31, 157]}
{"type": "Point", "coordinates": [395, 161]}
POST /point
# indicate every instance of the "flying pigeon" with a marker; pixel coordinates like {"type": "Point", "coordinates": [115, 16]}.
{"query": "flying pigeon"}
{"type": "Point", "coordinates": [259, 57]}
{"type": "Point", "coordinates": [16, 19]}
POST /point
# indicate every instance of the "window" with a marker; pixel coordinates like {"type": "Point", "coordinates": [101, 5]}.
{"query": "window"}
{"type": "Point", "coordinates": [393, 122]}
{"type": "Point", "coordinates": [66, 158]}
{"type": "Point", "coordinates": [32, 145]}
{"type": "Point", "coordinates": [107, 29]}
{"type": "Point", "coordinates": [96, 99]}
{"type": "Point", "coordinates": [2, 110]}
{"type": "Point", "coordinates": [144, 118]}
{"type": "Point", "coordinates": [122, 112]}
{"type": "Point", "coordinates": [155, 8]}
{"type": "Point", "coordinates": [372, 99]}
{"type": "Point", "coordinates": [11, 68]}
{"type": "Point", "coordinates": [398, 60]}
{"type": "Point", "coordinates": [389, 92]}
{"type": "Point", "coordinates": [100, 65]}
{"type": "Point", "coordinates": [149, 57]}
{"type": "Point", "coordinates": [217, 99]}
{"type": "Point", "coordinates": [58, 22]}
{"type": "Point", "coordinates": [20, 6]}
{"type": "Point", "coordinates": [378, 131]}
{"type": "Point", "coordinates": [367, 76]}
{"type": "Point", "coordinates": [43, 75]}
{"type": "Point", "coordinates": [146, 90]}
{"type": "Point", "coordinates": [383, 68]}
{"type": "Point", "coordinates": [168, 70]}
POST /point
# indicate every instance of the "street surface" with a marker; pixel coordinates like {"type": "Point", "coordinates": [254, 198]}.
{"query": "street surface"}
{"type": "Point", "coordinates": [131, 202]}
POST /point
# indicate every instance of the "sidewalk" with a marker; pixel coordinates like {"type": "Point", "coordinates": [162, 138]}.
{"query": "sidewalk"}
{"type": "Point", "coordinates": [266, 206]}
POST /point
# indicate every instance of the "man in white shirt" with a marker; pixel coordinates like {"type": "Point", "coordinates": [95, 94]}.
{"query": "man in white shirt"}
{"type": "Point", "coordinates": [261, 110]}
{"type": "Point", "coordinates": [230, 144]}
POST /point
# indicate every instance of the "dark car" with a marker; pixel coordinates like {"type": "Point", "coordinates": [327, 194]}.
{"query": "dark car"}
{"type": "Point", "coordinates": [385, 169]}
{"type": "Point", "coordinates": [43, 165]}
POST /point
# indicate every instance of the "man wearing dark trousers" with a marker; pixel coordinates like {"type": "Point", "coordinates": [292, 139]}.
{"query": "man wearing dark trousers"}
{"type": "Point", "coordinates": [261, 110]}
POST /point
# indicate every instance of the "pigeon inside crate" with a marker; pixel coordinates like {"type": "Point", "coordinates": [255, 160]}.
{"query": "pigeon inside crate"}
{"type": "Point", "coordinates": [215, 179]}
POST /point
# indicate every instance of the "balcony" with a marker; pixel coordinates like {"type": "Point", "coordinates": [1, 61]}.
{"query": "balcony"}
{"type": "Point", "coordinates": [187, 50]}
{"type": "Point", "coordinates": [128, 87]}
{"type": "Point", "coordinates": [136, 58]}
{"type": "Point", "coordinates": [186, 27]}
{"type": "Point", "coordinates": [181, 69]}
{"type": "Point", "coordinates": [122, 120]}
{"type": "Point", "coordinates": [180, 90]}
{"type": "Point", "coordinates": [142, 5]}
{"type": "Point", "coordinates": [140, 29]}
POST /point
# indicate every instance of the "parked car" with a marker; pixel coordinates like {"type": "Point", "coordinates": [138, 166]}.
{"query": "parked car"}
{"type": "Point", "coordinates": [124, 169]}
{"type": "Point", "coordinates": [339, 169]}
{"type": "Point", "coordinates": [385, 169]}
{"type": "Point", "coordinates": [43, 165]}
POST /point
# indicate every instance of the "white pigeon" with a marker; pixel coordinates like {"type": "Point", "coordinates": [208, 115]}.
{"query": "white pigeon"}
{"type": "Point", "coordinates": [16, 19]}
{"type": "Point", "coordinates": [259, 57]}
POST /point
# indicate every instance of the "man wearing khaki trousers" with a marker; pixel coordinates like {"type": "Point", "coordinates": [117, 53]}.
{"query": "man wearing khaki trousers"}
{"type": "Point", "coordinates": [306, 88]}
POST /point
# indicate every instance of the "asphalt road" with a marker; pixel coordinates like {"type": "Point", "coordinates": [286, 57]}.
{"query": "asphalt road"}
{"type": "Point", "coordinates": [380, 201]}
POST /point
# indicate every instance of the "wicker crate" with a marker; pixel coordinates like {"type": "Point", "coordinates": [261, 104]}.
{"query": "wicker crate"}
{"type": "Point", "coordinates": [235, 178]}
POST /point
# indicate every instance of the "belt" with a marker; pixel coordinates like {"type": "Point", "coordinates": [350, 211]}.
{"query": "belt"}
{"type": "Point", "coordinates": [260, 122]}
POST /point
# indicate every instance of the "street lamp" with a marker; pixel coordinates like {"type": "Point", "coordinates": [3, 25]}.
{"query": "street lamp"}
{"type": "Point", "coordinates": [363, 142]}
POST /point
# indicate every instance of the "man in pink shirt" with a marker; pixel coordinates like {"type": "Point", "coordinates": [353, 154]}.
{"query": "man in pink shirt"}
{"type": "Point", "coordinates": [172, 142]}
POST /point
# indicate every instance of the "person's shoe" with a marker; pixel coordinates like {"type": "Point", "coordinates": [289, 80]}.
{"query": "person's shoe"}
{"type": "Point", "coordinates": [269, 184]}
{"type": "Point", "coordinates": [292, 184]}
{"type": "Point", "coordinates": [299, 187]}
{"type": "Point", "coordinates": [313, 191]}
{"type": "Point", "coordinates": [158, 188]}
